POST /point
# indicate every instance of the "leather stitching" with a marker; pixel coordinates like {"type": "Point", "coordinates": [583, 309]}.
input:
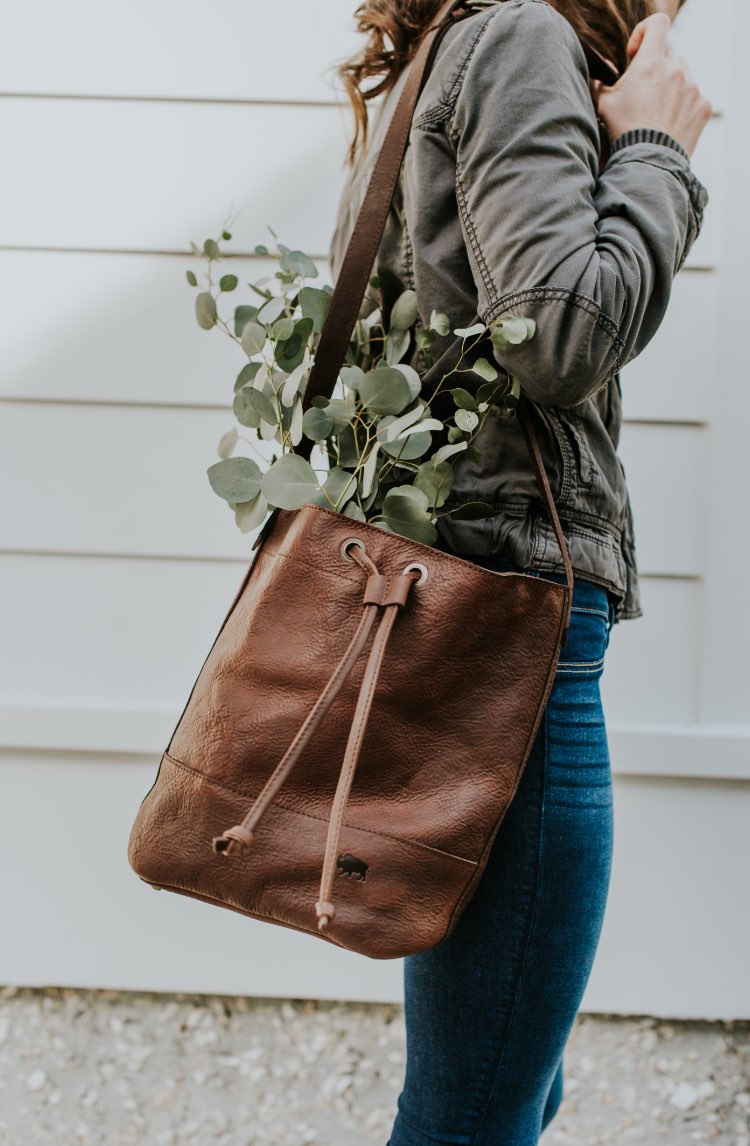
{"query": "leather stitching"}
{"type": "Point", "coordinates": [309, 816]}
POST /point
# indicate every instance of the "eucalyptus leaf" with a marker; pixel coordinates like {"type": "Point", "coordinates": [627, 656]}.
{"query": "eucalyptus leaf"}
{"type": "Point", "coordinates": [447, 452]}
{"type": "Point", "coordinates": [405, 311]}
{"type": "Point", "coordinates": [272, 310]}
{"type": "Point", "coordinates": [261, 250]}
{"type": "Point", "coordinates": [415, 446]}
{"type": "Point", "coordinates": [351, 509]}
{"type": "Point", "coordinates": [243, 315]}
{"type": "Point", "coordinates": [463, 399]}
{"type": "Point", "coordinates": [351, 376]}
{"type": "Point", "coordinates": [247, 374]}
{"type": "Point", "coordinates": [235, 479]}
{"type": "Point", "coordinates": [293, 383]}
{"type": "Point", "coordinates": [472, 511]}
{"type": "Point", "coordinates": [211, 248]}
{"type": "Point", "coordinates": [440, 323]}
{"type": "Point", "coordinates": [435, 481]}
{"type": "Point", "coordinates": [189, 275]}
{"type": "Point", "coordinates": [411, 376]}
{"type": "Point", "coordinates": [283, 328]}
{"type": "Point", "coordinates": [485, 370]}
{"type": "Point", "coordinates": [227, 442]}
{"type": "Point", "coordinates": [426, 426]}
{"type": "Point", "coordinates": [396, 345]}
{"type": "Point", "coordinates": [297, 263]}
{"type": "Point", "coordinates": [244, 410]}
{"type": "Point", "coordinates": [369, 470]}
{"type": "Point", "coordinates": [405, 509]}
{"type": "Point", "coordinates": [314, 304]}
{"type": "Point", "coordinates": [339, 485]}
{"type": "Point", "coordinates": [470, 331]}
{"type": "Point", "coordinates": [316, 424]}
{"type": "Point", "coordinates": [269, 430]}
{"type": "Point", "coordinates": [290, 353]}
{"type": "Point", "coordinates": [295, 428]}
{"type": "Point", "coordinates": [205, 310]}
{"type": "Point", "coordinates": [253, 338]}
{"type": "Point", "coordinates": [290, 482]}
{"type": "Point", "coordinates": [228, 282]}
{"type": "Point", "coordinates": [467, 420]}
{"type": "Point", "coordinates": [263, 405]}
{"type": "Point", "coordinates": [250, 514]}
{"type": "Point", "coordinates": [425, 338]}
{"type": "Point", "coordinates": [401, 423]}
{"type": "Point", "coordinates": [346, 445]}
{"type": "Point", "coordinates": [384, 391]}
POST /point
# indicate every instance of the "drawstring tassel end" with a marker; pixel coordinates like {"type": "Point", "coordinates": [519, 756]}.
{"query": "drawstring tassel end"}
{"type": "Point", "coordinates": [236, 839]}
{"type": "Point", "coordinates": [326, 912]}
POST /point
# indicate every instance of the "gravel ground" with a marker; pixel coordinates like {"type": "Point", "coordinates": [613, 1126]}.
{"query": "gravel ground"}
{"type": "Point", "coordinates": [116, 1067]}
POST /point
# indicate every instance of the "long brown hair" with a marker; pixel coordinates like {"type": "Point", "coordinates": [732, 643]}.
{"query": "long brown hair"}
{"type": "Point", "coordinates": [394, 28]}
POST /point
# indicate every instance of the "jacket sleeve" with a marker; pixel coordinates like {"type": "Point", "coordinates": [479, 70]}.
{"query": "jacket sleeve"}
{"type": "Point", "coordinates": [589, 255]}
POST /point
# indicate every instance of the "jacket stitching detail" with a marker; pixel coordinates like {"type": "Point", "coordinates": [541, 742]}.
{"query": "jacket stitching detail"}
{"type": "Point", "coordinates": [558, 294]}
{"type": "Point", "coordinates": [471, 234]}
{"type": "Point", "coordinates": [441, 111]}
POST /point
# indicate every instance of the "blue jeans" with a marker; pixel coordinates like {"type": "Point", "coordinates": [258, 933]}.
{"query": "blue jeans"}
{"type": "Point", "coordinates": [489, 1009]}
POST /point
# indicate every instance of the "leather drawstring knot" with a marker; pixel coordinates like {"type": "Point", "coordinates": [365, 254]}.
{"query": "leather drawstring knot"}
{"type": "Point", "coordinates": [381, 592]}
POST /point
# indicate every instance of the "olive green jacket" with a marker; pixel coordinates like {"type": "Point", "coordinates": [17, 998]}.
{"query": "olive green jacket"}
{"type": "Point", "coordinates": [502, 210]}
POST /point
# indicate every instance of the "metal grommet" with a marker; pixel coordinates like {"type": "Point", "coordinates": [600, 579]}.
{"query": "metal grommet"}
{"type": "Point", "coordinates": [423, 570]}
{"type": "Point", "coordinates": [351, 541]}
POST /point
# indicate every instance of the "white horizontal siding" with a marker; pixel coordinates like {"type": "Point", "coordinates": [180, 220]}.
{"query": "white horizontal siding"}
{"type": "Point", "coordinates": [232, 49]}
{"type": "Point", "coordinates": [145, 176]}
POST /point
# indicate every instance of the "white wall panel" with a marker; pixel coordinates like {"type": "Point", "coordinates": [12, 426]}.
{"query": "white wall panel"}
{"type": "Point", "coordinates": [276, 51]}
{"type": "Point", "coordinates": [651, 667]}
{"type": "Point", "coordinates": [165, 357]}
{"type": "Point", "coordinates": [154, 176]}
{"type": "Point", "coordinates": [672, 380]}
{"type": "Point", "coordinates": [228, 49]}
{"type": "Point", "coordinates": [666, 470]}
{"type": "Point", "coordinates": [146, 626]}
{"type": "Point", "coordinates": [113, 479]}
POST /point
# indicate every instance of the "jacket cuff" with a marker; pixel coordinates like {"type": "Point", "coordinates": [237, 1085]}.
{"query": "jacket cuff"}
{"type": "Point", "coordinates": [647, 135]}
{"type": "Point", "coordinates": [671, 156]}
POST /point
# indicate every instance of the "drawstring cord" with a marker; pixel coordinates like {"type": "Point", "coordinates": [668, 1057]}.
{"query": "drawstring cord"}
{"type": "Point", "coordinates": [381, 592]}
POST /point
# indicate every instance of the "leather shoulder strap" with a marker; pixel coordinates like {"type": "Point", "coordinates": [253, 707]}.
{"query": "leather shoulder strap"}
{"type": "Point", "coordinates": [361, 252]}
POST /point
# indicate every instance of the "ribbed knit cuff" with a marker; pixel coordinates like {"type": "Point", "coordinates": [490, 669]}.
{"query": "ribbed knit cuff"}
{"type": "Point", "coordinates": [647, 135]}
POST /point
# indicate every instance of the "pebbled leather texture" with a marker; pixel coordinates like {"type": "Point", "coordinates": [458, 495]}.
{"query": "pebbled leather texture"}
{"type": "Point", "coordinates": [463, 683]}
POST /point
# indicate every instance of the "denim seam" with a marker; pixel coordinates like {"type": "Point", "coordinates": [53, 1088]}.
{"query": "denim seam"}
{"type": "Point", "coordinates": [529, 931]}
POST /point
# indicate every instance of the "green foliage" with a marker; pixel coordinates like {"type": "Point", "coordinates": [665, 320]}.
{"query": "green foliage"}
{"type": "Point", "coordinates": [376, 430]}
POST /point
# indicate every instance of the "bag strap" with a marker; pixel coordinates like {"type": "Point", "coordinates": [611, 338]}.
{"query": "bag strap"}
{"type": "Point", "coordinates": [360, 255]}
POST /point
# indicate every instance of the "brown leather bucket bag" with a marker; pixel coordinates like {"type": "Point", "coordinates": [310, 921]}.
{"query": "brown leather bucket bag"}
{"type": "Point", "coordinates": [361, 722]}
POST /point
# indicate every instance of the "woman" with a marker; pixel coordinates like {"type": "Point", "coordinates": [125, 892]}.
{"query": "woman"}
{"type": "Point", "coordinates": [530, 188]}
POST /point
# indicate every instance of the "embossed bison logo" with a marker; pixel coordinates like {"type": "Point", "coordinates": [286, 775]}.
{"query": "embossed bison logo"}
{"type": "Point", "coordinates": [350, 865]}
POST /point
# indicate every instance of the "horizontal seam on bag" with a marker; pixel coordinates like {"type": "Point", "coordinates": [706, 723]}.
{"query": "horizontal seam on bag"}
{"type": "Point", "coordinates": [309, 815]}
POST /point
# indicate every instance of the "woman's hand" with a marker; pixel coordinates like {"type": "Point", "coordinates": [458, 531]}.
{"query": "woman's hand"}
{"type": "Point", "coordinates": [656, 90]}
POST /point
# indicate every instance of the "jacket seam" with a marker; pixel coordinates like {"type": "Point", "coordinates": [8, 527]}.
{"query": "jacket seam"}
{"type": "Point", "coordinates": [559, 294]}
